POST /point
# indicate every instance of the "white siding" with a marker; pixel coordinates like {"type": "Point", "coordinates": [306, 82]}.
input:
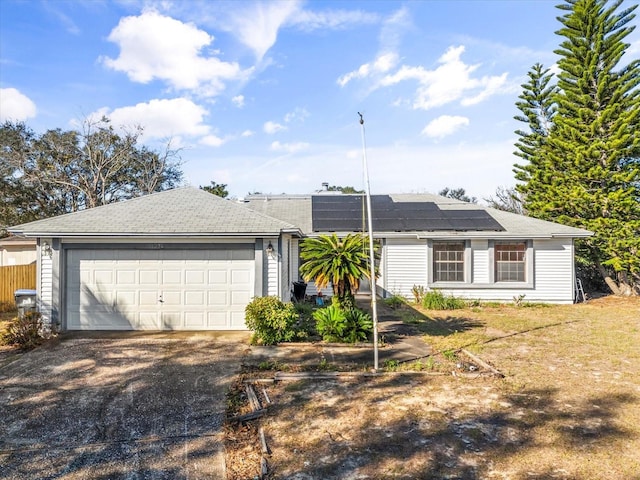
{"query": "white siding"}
{"type": "Point", "coordinates": [271, 268]}
{"type": "Point", "coordinates": [294, 258]}
{"type": "Point", "coordinates": [45, 286]}
{"type": "Point", "coordinates": [405, 265]}
{"type": "Point", "coordinates": [480, 261]}
{"type": "Point", "coordinates": [552, 282]}
{"type": "Point", "coordinates": [285, 287]}
{"type": "Point", "coordinates": [554, 269]}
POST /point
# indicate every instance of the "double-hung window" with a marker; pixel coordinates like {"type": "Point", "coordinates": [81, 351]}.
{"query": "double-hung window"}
{"type": "Point", "coordinates": [510, 261]}
{"type": "Point", "coordinates": [448, 261]}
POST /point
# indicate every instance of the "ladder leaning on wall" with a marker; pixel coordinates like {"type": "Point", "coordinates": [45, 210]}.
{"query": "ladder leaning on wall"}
{"type": "Point", "coordinates": [579, 292]}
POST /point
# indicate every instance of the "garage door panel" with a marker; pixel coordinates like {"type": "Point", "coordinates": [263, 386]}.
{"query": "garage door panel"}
{"type": "Point", "coordinates": [118, 289]}
{"type": "Point", "coordinates": [194, 277]}
{"type": "Point", "coordinates": [218, 277]}
{"type": "Point", "coordinates": [237, 321]}
{"type": "Point", "coordinates": [126, 298]}
{"type": "Point", "coordinates": [126, 276]}
{"type": "Point", "coordinates": [240, 277]}
{"type": "Point", "coordinates": [239, 298]}
{"type": "Point", "coordinates": [171, 277]}
{"type": "Point", "coordinates": [148, 320]}
{"type": "Point", "coordinates": [149, 277]}
{"type": "Point", "coordinates": [148, 297]}
{"type": "Point", "coordinates": [217, 320]}
{"type": "Point", "coordinates": [195, 320]}
{"type": "Point", "coordinates": [171, 320]}
{"type": "Point", "coordinates": [194, 298]}
{"type": "Point", "coordinates": [171, 299]}
{"type": "Point", "coordinates": [217, 298]}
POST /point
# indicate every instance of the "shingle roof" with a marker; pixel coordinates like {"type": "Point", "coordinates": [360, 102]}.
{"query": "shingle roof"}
{"type": "Point", "coordinates": [297, 209]}
{"type": "Point", "coordinates": [181, 211]}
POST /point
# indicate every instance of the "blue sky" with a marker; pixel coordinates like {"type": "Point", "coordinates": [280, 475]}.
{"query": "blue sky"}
{"type": "Point", "coordinates": [264, 96]}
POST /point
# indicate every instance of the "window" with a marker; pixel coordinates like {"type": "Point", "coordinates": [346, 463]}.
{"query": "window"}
{"type": "Point", "coordinates": [448, 261]}
{"type": "Point", "coordinates": [510, 261]}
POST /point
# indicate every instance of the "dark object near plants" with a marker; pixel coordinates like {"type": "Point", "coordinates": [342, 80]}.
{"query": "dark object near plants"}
{"type": "Point", "coordinates": [24, 331]}
{"type": "Point", "coordinates": [436, 300]}
{"type": "Point", "coordinates": [336, 324]}
{"type": "Point", "coordinates": [272, 320]}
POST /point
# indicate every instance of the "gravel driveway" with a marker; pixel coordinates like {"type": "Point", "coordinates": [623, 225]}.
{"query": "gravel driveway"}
{"type": "Point", "coordinates": [126, 406]}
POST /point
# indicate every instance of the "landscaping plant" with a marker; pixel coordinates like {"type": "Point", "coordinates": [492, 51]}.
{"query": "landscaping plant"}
{"type": "Point", "coordinates": [272, 320]}
{"type": "Point", "coordinates": [436, 300]}
{"type": "Point", "coordinates": [337, 324]}
{"type": "Point", "coordinates": [24, 331]}
{"type": "Point", "coordinates": [341, 262]}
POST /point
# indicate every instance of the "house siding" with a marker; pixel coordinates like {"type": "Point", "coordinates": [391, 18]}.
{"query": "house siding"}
{"type": "Point", "coordinates": [285, 269]}
{"type": "Point", "coordinates": [45, 286]}
{"type": "Point", "coordinates": [405, 265]}
{"type": "Point", "coordinates": [480, 261]}
{"type": "Point", "coordinates": [272, 268]}
{"type": "Point", "coordinates": [552, 271]}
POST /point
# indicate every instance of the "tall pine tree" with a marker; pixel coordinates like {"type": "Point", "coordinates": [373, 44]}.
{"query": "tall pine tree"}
{"type": "Point", "coordinates": [586, 172]}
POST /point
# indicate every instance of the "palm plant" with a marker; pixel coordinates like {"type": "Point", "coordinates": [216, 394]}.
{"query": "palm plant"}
{"type": "Point", "coordinates": [341, 262]}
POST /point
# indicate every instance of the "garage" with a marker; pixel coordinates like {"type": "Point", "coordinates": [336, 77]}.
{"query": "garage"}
{"type": "Point", "coordinates": [158, 289]}
{"type": "Point", "coordinates": [182, 259]}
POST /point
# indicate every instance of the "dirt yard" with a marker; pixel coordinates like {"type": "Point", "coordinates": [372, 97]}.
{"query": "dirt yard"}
{"type": "Point", "coordinates": [567, 408]}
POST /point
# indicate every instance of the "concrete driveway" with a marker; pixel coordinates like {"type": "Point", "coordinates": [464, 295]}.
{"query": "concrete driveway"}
{"type": "Point", "coordinates": [118, 406]}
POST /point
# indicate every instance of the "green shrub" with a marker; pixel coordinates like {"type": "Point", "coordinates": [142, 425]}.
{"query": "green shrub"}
{"type": "Point", "coordinates": [359, 326]}
{"type": "Point", "coordinates": [24, 331]}
{"type": "Point", "coordinates": [335, 324]}
{"type": "Point", "coordinates": [394, 301]}
{"type": "Point", "coordinates": [436, 300]}
{"type": "Point", "coordinates": [330, 322]}
{"type": "Point", "coordinates": [271, 320]}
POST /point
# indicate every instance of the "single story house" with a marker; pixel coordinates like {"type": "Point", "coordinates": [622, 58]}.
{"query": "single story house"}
{"type": "Point", "coordinates": [17, 250]}
{"type": "Point", "coordinates": [460, 248]}
{"type": "Point", "coordinates": [184, 259]}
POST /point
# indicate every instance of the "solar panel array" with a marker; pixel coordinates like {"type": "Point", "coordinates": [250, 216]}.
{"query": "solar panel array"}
{"type": "Point", "coordinates": [347, 213]}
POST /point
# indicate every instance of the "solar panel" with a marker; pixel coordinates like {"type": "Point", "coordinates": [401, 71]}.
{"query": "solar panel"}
{"type": "Point", "coordinates": [346, 213]}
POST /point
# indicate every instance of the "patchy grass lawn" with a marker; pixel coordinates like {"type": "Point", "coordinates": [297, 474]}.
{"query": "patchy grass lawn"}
{"type": "Point", "coordinates": [568, 408]}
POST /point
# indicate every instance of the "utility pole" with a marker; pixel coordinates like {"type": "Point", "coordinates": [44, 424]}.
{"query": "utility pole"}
{"type": "Point", "coordinates": [372, 263]}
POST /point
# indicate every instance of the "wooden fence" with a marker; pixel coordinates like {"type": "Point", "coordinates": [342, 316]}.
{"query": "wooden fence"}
{"type": "Point", "coordinates": [15, 277]}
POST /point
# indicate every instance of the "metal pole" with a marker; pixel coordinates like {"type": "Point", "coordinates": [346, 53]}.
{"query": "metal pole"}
{"type": "Point", "coordinates": [372, 264]}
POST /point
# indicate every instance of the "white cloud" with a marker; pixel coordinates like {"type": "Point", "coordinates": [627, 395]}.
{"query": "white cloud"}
{"type": "Point", "coordinates": [444, 125]}
{"type": "Point", "coordinates": [387, 58]}
{"type": "Point", "coordinates": [289, 147]}
{"type": "Point", "coordinates": [331, 19]}
{"type": "Point", "coordinates": [273, 127]}
{"type": "Point", "coordinates": [16, 106]}
{"type": "Point", "coordinates": [381, 64]}
{"type": "Point", "coordinates": [161, 118]}
{"type": "Point", "coordinates": [297, 115]}
{"type": "Point", "coordinates": [154, 46]}
{"type": "Point", "coordinates": [449, 82]}
{"type": "Point", "coordinates": [491, 86]}
{"type": "Point", "coordinates": [247, 133]}
{"type": "Point", "coordinates": [257, 25]}
{"type": "Point", "coordinates": [212, 141]}
{"type": "Point", "coordinates": [238, 101]}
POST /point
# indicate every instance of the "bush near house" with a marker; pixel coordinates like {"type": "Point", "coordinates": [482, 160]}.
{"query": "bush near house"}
{"type": "Point", "coordinates": [24, 331]}
{"type": "Point", "coordinates": [274, 321]}
{"type": "Point", "coordinates": [348, 325]}
{"type": "Point", "coordinates": [436, 300]}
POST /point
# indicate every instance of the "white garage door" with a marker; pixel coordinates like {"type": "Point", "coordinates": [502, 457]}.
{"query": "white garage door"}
{"type": "Point", "coordinates": [158, 289]}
